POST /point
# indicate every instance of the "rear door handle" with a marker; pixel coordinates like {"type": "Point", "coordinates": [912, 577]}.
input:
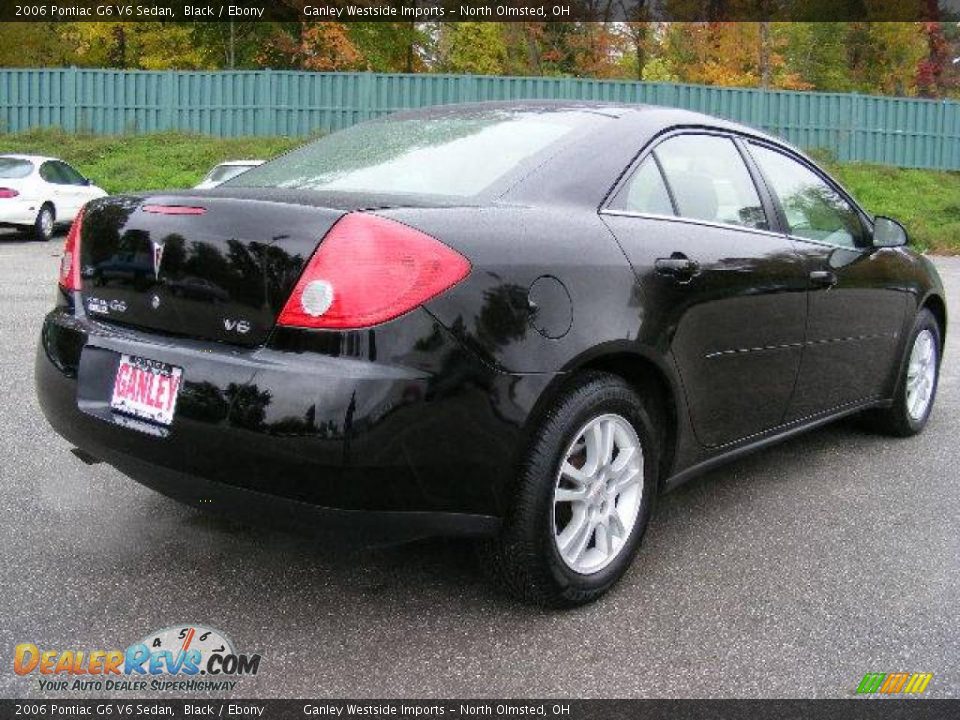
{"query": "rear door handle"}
{"type": "Point", "coordinates": [823, 278]}
{"type": "Point", "coordinates": [678, 266]}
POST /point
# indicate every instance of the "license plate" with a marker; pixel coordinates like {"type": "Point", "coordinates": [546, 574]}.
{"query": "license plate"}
{"type": "Point", "coordinates": [146, 389]}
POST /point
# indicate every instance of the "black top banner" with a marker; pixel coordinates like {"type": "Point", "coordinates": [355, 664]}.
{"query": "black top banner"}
{"type": "Point", "coordinates": [477, 10]}
{"type": "Point", "coordinates": [472, 709]}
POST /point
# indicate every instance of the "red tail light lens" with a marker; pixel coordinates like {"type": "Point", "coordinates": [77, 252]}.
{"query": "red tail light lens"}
{"type": "Point", "coordinates": [70, 262]}
{"type": "Point", "coordinates": [6, 193]}
{"type": "Point", "coordinates": [369, 270]}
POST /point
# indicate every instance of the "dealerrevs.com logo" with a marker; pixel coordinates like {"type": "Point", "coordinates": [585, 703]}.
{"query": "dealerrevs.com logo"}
{"type": "Point", "coordinates": [185, 658]}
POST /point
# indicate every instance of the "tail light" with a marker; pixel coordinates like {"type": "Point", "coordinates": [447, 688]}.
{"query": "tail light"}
{"type": "Point", "coordinates": [70, 262]}
{"type": "Point", "coordinates": [369, 270]}
{"type": "Point", "coordinates": [6, 193]}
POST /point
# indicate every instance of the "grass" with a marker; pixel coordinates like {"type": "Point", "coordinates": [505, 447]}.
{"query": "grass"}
{"type": "Point", "coordinates": [925, 201]}
{"type": "Point", "coordinates": [144, 162]}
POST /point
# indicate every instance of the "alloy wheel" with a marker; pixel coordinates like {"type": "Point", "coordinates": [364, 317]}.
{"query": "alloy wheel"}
{"type": "Point", "coordinates": [598, 493]}
{"type": "Point", "coordinates": [46, 222]}
{"type": "Point", "coordinates": [921, 374]}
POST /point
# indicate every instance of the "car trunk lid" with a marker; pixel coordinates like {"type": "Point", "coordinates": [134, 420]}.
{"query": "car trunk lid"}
{"type": "Point", "coordinates": [217, 268]}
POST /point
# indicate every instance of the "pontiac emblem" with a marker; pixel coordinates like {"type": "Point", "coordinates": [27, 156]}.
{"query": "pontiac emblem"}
{"type": "Point", "coordinates": [155, 303]}
{"type": "Point", "coordinates": [157, 258]}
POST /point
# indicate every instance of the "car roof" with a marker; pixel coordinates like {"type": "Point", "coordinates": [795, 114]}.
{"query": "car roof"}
{"type": "Point", "coordinates": [586, 166]}
{"type": "Point", "coordinates": [668, 116]}
{"type": "Point", "coordinates": [35, 159]}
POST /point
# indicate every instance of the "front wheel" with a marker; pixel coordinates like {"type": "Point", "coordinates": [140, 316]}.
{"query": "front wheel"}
{"type": "Point", "coordinates": [917, 385]}
{"type": "Point", "coordinates": [583, 497]}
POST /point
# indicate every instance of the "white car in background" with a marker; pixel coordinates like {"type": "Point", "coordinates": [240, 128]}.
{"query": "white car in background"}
{"type": "Point", "coordinates": [226, 171]}
{"type": "Point", "coordinates": [38, 193]}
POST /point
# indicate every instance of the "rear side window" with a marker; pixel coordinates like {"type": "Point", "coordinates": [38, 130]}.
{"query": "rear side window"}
{"type": "Point", "coordinates": [710, 181]}
{"type": "Point", "coordinates": [645, 192]}
{"type": "Point", "coordinates": [455, 154]}
{"type": "Point", "coordinates": [13, 168]}
{"type": "Point", "coordinates": [813, 209]}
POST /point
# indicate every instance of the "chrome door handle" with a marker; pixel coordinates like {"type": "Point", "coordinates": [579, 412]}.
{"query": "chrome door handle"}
{"type": "Point", "coordinates": [823, 278]}
{"type": "Point", "coordinates": [678, 267]}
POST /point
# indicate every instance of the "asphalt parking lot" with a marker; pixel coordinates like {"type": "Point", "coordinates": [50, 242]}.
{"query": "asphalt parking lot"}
{"type": "Point", "coordinates": [790, 573]}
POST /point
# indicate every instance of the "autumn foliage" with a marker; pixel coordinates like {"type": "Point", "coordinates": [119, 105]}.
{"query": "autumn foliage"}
{"type": "Point", "coordinates": [897, 58]}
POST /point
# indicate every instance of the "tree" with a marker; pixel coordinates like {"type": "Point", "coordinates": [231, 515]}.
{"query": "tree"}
{"type": "Point", "coordinates": [932, 68]}
{"type": "Point", "coordinates": [886, 60]}
{"type": "Point", "coordinates": [391, 46]}
{"type": "Point", "coordinates": [638, 37]}
{"type": "Point", "coordinates": [232, 45]}
{"type": "Point", "coordinates": [35, 44]}
{"type": "Point", "coordinates": [597, 49]}
{"type": "Point", "coordinates": [765, 50]}
{"type": "Point", "coordinates": [134, 45]}
{"type": "Point", "coordinates": [322, 46]}
{"type": "Point", "coordinates": [817, 53]}
{"type": "Point", "coordinates": [472, 47]}
{"type": "Point", "coordinates": [870, 57]}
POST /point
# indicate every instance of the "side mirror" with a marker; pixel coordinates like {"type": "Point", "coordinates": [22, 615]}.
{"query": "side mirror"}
{"type": "Point", "coordinates": [87, 182]}
{"type": "Point", "coordinates": [887, 232]}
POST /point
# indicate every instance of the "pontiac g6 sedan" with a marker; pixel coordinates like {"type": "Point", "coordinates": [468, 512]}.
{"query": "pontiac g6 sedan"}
{"type": "Point", "coordinates": [518, 322]}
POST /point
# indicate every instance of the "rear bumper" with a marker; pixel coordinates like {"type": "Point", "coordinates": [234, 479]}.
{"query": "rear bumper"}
{"type": "Point", "coordinates": [315, 441]}
{"type": "Point", "coordinates": [370, 527]}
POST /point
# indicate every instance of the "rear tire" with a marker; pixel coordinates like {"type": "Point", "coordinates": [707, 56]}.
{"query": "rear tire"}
{"type": "Point", "coordinates": [917, 384]}
{"type": "Point", "coordinates": [583, 498]}
{"type": "Point", "coordinates": [44, 224]}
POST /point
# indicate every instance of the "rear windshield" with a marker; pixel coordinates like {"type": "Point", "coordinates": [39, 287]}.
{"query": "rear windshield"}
{"type": "Point", "coordinates": [12, 168]}
{"type": "Point", "coordinates": [456, 154]}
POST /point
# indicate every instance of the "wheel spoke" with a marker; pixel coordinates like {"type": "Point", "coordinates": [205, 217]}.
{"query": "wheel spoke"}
{"type": "Point", "coordinates": [608, 430]}
{"type": "Point", "coordinates": [623, 459]}
{"type": "Point", "coordinates": [570, 495]}
{"type": "Point", "coordinates": [576, 524]}
{"type": "Point", "coordinates": [616, 525]}
{"type": "Point", "coordinates": [604, 538]}
{"type": "Point", "coordinates": [575, 545]}
{"type": "Point", "coordinates": [574, 475]}
{"type": "Point", "coordinates": [594, 438]}
{"type": "Point", "coordinates": [629, 478]}
{"type": "Point", "coordinates": [913, 370]}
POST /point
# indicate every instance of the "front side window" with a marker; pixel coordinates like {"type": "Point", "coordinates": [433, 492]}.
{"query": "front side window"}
{"type": "Point", "coordinates": [710, 181]}
{"type": "Point", "coordinates": [69, 175]}
{"type": "Point", "coordinates": [813, 209]}
{"type": "Point", "coordinates": [645, 192]}
{"type": "Point", "coordinates": [50, 172]}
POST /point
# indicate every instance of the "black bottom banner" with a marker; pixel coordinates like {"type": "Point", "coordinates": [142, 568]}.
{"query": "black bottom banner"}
{"type": "Point", "coordinates": [864, 709]}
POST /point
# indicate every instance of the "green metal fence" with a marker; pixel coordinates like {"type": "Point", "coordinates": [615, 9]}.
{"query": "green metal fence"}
{"type": "Point", "coordinates": [894, 131]}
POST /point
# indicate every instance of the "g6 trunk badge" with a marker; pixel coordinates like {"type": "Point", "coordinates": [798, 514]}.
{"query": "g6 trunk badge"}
{"type": "Point", "coordinates": [155, 303]}
{"type": "Point", "coordinates": [157, 258]}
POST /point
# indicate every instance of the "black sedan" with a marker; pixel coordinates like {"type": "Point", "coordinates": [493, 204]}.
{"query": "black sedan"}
{"type": "Point", "coordinates": [518, 322]}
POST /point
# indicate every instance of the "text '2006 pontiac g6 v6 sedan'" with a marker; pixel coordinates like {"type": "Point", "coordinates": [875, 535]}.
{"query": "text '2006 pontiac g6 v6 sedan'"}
{"type": "Point", "coordinates": [518, 322]}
